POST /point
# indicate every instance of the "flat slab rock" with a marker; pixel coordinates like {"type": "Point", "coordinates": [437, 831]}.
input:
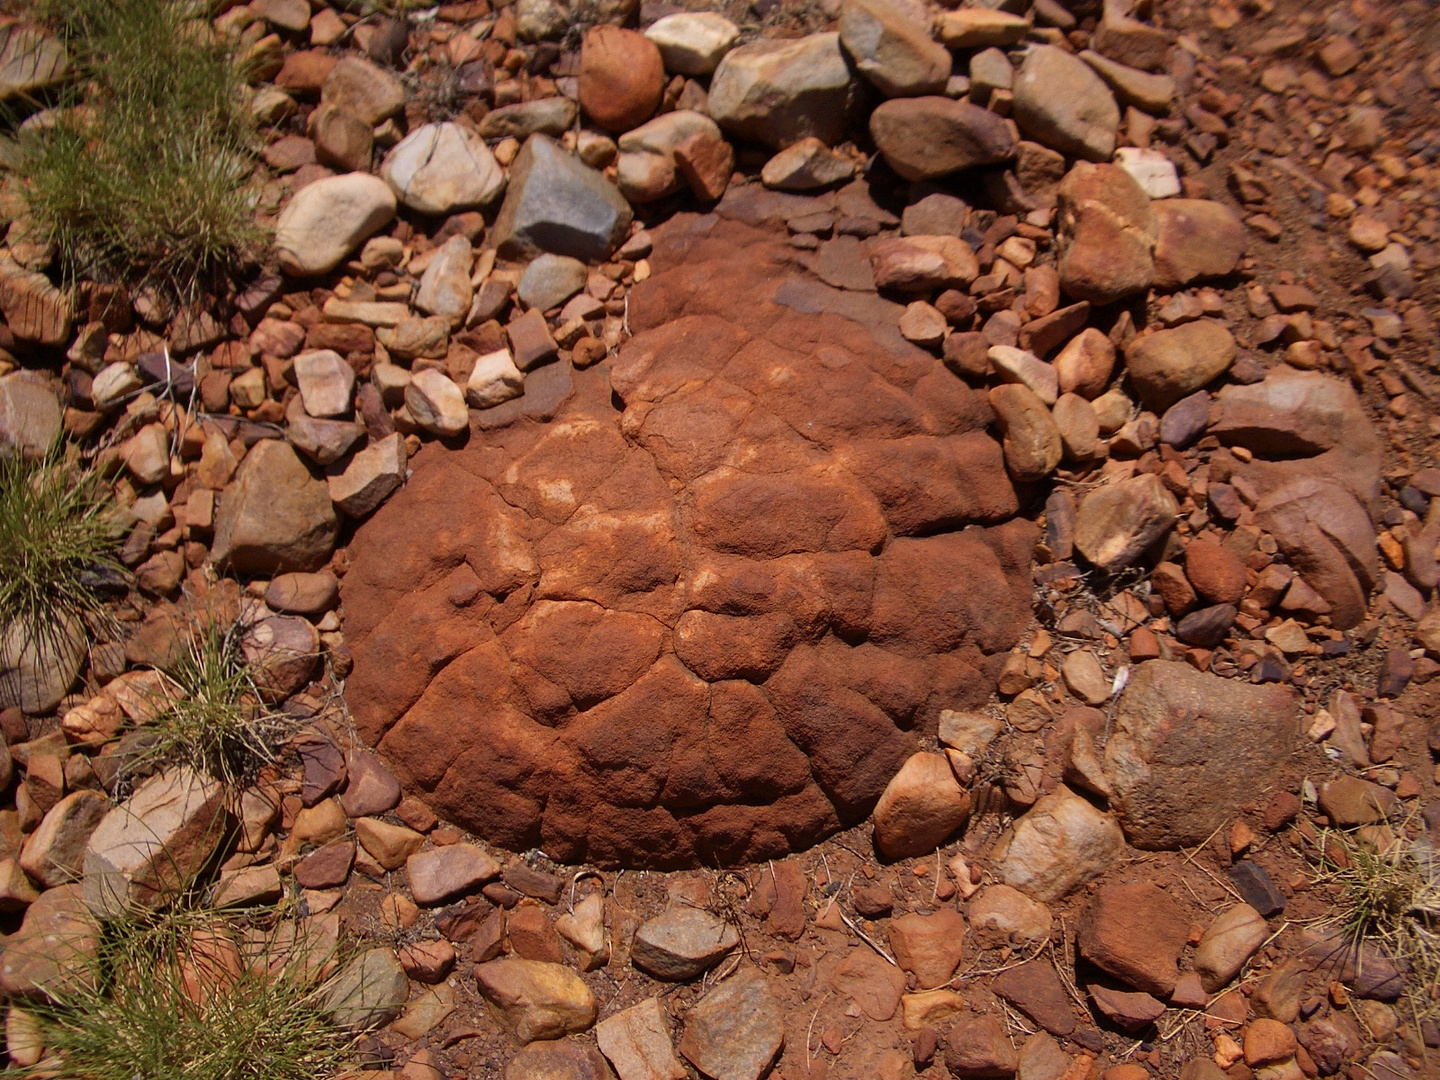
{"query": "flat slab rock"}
{"type": "Point", "coordinates": [700, 615]}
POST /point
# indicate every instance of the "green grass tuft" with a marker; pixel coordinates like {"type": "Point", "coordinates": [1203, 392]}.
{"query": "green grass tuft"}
{"type": "Point", "coordinates": [145, 176]}
{"type": "Point", "coordinates": [191, 994]}
{"type": "Point", "coordinates": [215, 719]}
{"type": "Point", "coordinates": [58, 533]}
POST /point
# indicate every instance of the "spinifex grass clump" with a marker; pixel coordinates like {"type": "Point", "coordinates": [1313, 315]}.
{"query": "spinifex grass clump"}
{"type": "Point", "coordinates": [145, 175]}
{"type": "Point", "coordinates": [212, 716]}
{"type": "Point", "coordinates": [58, 533]}
{"type": "Point", "coordinates": [190, 994]}
{"type": "Point", "coordinates": [1389, 898]}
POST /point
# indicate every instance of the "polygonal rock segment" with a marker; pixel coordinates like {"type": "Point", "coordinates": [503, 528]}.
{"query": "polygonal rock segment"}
{"type": "Point", "coordinates": [1190, 749]}
{"type": "Point", "coordinates": [704, 627]}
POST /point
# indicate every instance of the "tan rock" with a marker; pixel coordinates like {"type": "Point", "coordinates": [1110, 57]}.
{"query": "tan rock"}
{"type": "Point", "coordinates": [1084, 365]}
{"type": "Point", "coordinates": [54, 854]}
{"type": "Point", "coordinates": [536, 1000]}
{"type": "Point", "coordinates": [1117, 523]}
{"type": "Point", "coordinates": [921, 806]}
{"type": "Point", "coordinates": [636, 1041]}
{"type": "Point", "coordinates": [1032, 442]}
{"type": "Point", "coordinates": [1107, 231]}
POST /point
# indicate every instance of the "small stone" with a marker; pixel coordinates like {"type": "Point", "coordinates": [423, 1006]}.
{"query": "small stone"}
{"type": "Point", "coordinates": [874, 984]}
{"type": "Point", "coordinates": [30, 415]}
{"type": "Point", "coordinates": [892, 50]}
{"type": "Point", "coordinates": [1107, 234]}
{"type": "Point", "coordinates": [1170, 364]}
{"type": "Point", "coordinates": [53, 952]}
{"type": "Point", "coordinates": [1152, 170]}
{"type": "Point", "coordinates": [1257, 888]}
{"type": "Point", "coordinates": [806, 166]}
{"type": "Point", "coordinates": [1118, 523]}
{"type": "Point", "coordinates": [1135, 933]}
{"type": "Point", "coordinates": [54, 854]}
{"type": "Point", "coordinates": [537, 1000]}
{"type": "Point", "coordinates": [682, 943]}
{"type": "Point", "coordinates": [1085, 678]}
{"type": "Point", "coordinates": [326, 382]}
{"type": "Point", "coordinates": [584, 928]}
{"type": "Point", "coordinates": [445, 288]}
{"type": "Point", "coordinates": [922, 263]}
{"type": "Point", "coordinates": [706, 162]}
{"type": "Point", "coordinates": [1131, 86]}
{"type": "Point", "coordinates": [441, 168]}
{"type": "Point", "coordinates": [1198, 239]}
{"type": "Point", "coordinates": [530, 338]}
{"type": "Point", "coordinates": [977, 28]}
{"type": "Point", "coordinates": [927, 137]}
{"type": "Point", "coordinates": [1227, 944]}
{"type": "Point", "coordinates": [1032, 443]}
{"type": "Point", "coordinates": [549, 1061]}
{"type": "Point", "coordinates": [1062, 103]}
{"type": "Point", "coordinates": [621, 77]}
{"type": "Point", "coordinates": [550, 280]}
{"type": "Point", "coordinates": [1350, 801]}
{"type": "Point", "coordinates": [1061, 842]}
{"type": "Point", "coordinates": [1084, 365]}
{"type": "Point", "coordinates": [929, 946]}
{"type": "Point", "coordinates": [1020, 366]}
{"type": "Point", "coordinates": [436, 403]}
{"type": "Point", "coordinates": [427, 961]}
{"type": "Point", "coordinates": [544, 116]}
{"type": "Point", "coordinates": [361, 88]}
{"type": "Point", "coordinates": [692, 43]}
{"type": "Point", "coordinates": [442, 873]}
{"type": "Point", "coordinates": [151, 845]}
{"type": "Point", "coordinates": [1036, 990]}
{"type": "Point", "coordinates": [734, 1032]}
{"type": "Point", "coordinates": [389, 845]}
{"type": "Point", "coordinates": [368, 992]}
{"type": "Point", "coordinates": [637, 1042]}
{"type": "Point", "coordinates": [923, 325]}
{"type": "Point", "coordinates": [777, 92]}
{"type": "Point", "coordinates": [1129, 1012]}
{"type": "Point", "coordinates": [980, 1047]}
{"type": "Point", "coordinates": [371, 477]}
{"type": "Point", "coordinates": [329, 219]}
{"type": "Point", "coordinates": [303, 594]}
{"type": "Point", "coordinates": [1001, 916]}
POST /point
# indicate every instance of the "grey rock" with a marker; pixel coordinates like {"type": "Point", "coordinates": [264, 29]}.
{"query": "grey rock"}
{"type": "Point", "coordinates": [557, 204]}
{"type": "Point", "coordinates": [369, 991]}
{"type": "Point", "coordinates": [550, 280]}
{"type": "Point", "coordinates": [681, 943]}
{"type": "Point", "coordinates": [1190, 749]}
{"type": "Point", "coordinates": [736, 1030]}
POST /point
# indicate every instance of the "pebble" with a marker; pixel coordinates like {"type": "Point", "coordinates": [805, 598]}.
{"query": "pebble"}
{"type": "Point", "coordinates": [1152, 170]}
{"type": "Point", "coordinates": [1001, 916]}
{"type": "Point", "coordinates": [1136, 933]}
{"type": "Point", "coordinates": [777, 92]}
{"type": "Point", "coordinates": [924, 138]}
{"type": "Point", "coordinates": [894, 51]}
{"type": "Point", "coordinates": [636, 1041]}
{"type": "Point", "coordinates": [976, 28]}
{"type": "Point", "coordinates": [274, 517]}
{"type": "Point", "coordinates": [1079, 429]}
{"type": "Point", "coordinates": [621, 77]}
{"type": "Point", "coordinates": [682, 943]}
{"type": "Point", "coordinates": [1061, 103]}
{"type": "Point", "coordinates": [735, 1031]}
{"type": "Point", "coordinates": [806, 165]}
{"type": "Point", "coordinates": [536, 1000]}
{"type": "Point", "coordinates": [1085, 678]}
{"type": "Point", "coordinates": [1198, 239]}
{"type": "Point", "coordinates": [326, 382]}
{"type": "Point", "coordinates": [1231, 939]}
{"type": "Point", "coordinates": [329, 219]}
{"type": "Point", "coordinates": [1084, 365]}
{"type": "Point", "coordinates": [1118, 522]}
{"type": "Point", "coordinates": [1170, 364]}
{"type": "Point", "coordinates": [1107, 233]}
{"type": "Point", "coordinates": [930, 947]}
{"type": "Point", "coordinates": [441, 168]}
{"type": "Point", "coordinates": [693, 43]}
{"type": "Point", "coordinates": [1021, 366]}
{"type": "Point", "coordinates": [436, 403]}
{"type": "Point", "coordinates": [371, 477]}
{"type": "Point", "coordinates": [442, 873]}
{"type": "Point", "coordinates": [1032, 443]}
{"type": "Point", "coordinates": [1058, 844]}
{"type": "Point", "coordinates": [367, 992]}
{"type": "Point", "coordinates": [921, 806]}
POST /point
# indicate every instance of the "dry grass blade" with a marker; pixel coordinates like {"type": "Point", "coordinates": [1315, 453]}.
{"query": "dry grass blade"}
{"type": "Point", "coordinates": [1389, 898]}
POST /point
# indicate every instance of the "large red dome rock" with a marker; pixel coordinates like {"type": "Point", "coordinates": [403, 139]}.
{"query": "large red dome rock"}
{"type": "Point", "coordinates": [699, 609]}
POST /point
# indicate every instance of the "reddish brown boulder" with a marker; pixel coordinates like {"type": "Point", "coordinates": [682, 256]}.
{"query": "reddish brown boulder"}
{"type": "Point", "coordinates": [1135, 933]}
{"type": "Point", "coordinates": [701, 614]}
{"type": "Point", "coordinates": [621, 77]}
